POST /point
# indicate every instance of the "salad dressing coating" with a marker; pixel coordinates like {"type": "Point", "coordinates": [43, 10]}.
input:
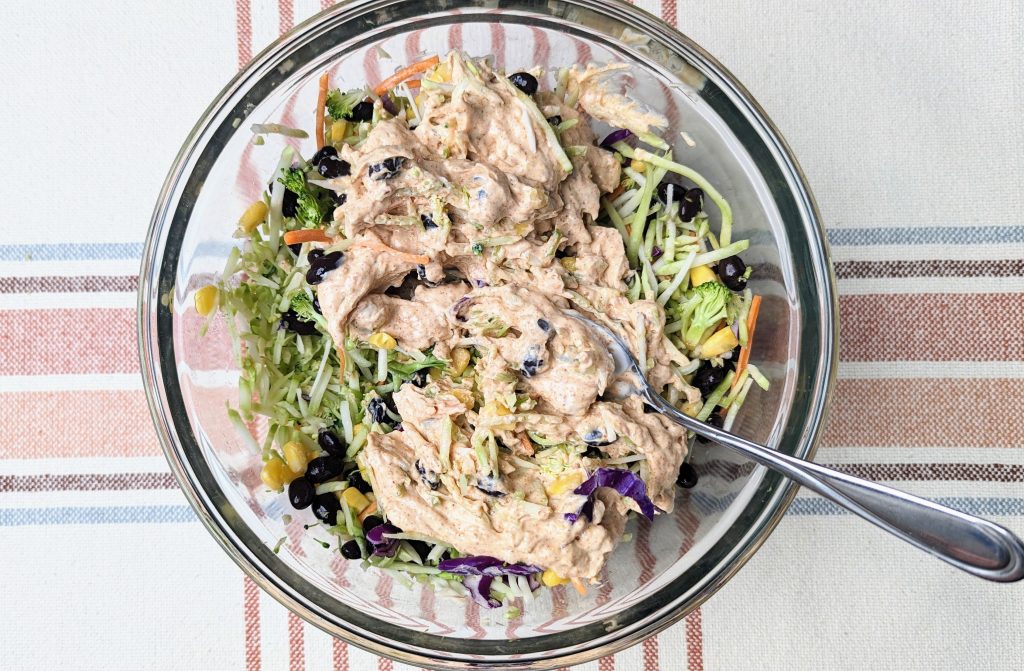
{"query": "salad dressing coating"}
{"type": "Point", "coordinates": [482, 203]}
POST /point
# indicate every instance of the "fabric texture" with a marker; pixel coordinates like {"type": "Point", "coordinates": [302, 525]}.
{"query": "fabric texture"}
{"type": "Point", "coordinates": [906, 118]}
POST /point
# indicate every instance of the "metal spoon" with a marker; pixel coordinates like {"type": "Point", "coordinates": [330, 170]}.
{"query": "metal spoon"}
{"type": "Point", "coordinates": [969, 543]}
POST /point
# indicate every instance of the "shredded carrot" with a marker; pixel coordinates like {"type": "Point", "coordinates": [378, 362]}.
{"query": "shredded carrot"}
{"type": "Point", "coordinates": [413, 83]}
{"type": "Point", "coordinates": [405, 73]}
{"type": "Point", "coordinates": [341, 363]}
{"type": "Point", "coordinates": [368, 510]}
{"type": "Point", "coordinates": [580, 587]}
{"type": "Point", "coordinates": [619, 190]}
{"type": "Point", "coordinates": [321, 103]}
{"type": "Point", "coordinates": [741, 365]}
{"type": "Point", "coordinates": [305, 235]}
{"type": "Point", "coordinates": [381, 247]}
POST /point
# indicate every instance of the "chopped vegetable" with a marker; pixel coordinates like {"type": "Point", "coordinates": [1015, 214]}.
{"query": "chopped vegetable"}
{"type": "Point", "coordinates": [484, 565]}
{"type": "Point", "coordinates": [321, 101]}
{"type": "Point", "coordinates": [710, 300]}
{"type": "Point", "coordinates": [405, 73]}
{"type": "Point", "coordinates": [755, 306]}
{"type": "Point", "coordinates": [305, 235]}
{"type": "Point", "coordinates": [625, 482]}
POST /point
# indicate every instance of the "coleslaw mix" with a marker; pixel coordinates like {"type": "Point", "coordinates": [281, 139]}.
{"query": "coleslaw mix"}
{"type": "Point", "coordinates": [324, 398]}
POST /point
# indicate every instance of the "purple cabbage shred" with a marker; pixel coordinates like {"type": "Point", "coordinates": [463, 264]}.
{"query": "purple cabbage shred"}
{"type": "Point", "coordinates": [625, 482]}
{"type": "Point", "coordinates": [484, 565]}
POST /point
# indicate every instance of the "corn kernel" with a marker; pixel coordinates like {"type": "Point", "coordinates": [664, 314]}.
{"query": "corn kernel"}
{"type": "Point", "coordinates": [460, 359]}
{"type": "Point", "coordinates": [383, 340]}
{"type": "Point", "coordinates": [569, 263]}
{"type": "Point", "coordinates": [720, 342]}
{"type": "Point", "coordinates": [253, 216]}
{"type": "Point", "coordinates": [355, 499]}
{"type": "Point", "coordinates": [275, 474]}
{"type": "Point", "coordinates": [295, 456]}
{"type": "Point", "coordinates": [206, 299]}
{"type": "Point", "coordinates": [701, 274]}
{"type": "Point", "coordinates": [564, 483]}
{"type": "Point", "coordinates": [434, 374]}
{"type": "Point", "coordinates": [639, 166]}
{"type": "Point", "coordinates": [465, 397]}
{"type": "Point", "coordinates": [552, 579]}
{"type": "Point", "coordinates": [497, 409]}
{"type": "Point", "coordinates": [338, 130]}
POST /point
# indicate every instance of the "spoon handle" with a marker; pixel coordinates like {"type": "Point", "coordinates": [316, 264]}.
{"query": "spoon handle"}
{"type": "Point", "coordinates": [972, 544]}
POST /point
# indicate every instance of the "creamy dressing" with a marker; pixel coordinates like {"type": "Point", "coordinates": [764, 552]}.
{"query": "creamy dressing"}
{"type": "Point", "coordinates": [483, 195]}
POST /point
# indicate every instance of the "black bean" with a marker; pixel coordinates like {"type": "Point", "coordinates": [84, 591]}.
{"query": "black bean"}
{"type": "Point", "coordinates": [316, 305]}
{"type": "Point", "coordinates": [371, 522]}
{"type": "Point", "coordinates": [350, 550]}
{"type": "Point", "coordinates": [687, 477]}
{"type": "Point", "coordinates": [314, 255]}
{"type": "Point", "coordinates": [420, 377]}
{"type": "Point", "coordinates": [339, 198]}
{"type": "Point", "coordinates": [593, 452]}
{"type": "Point", "coordinates": [715, 420]}
{"type": "Point", "coordinates": [322, 153]}
{"type": "Point", "coordinates": [427, 476]}
{"type": "Point", "coordinates": [322, 469]}
{"type": "Point", "coordinates": [656, 253]}
{"type": "Point", "coordinates": [421, 272]}
{"type": "Point", "coordinates": [375, 410]}
{"type": "Point", "coordinates": [291, 322]}
{"type": "Point", "coordinates": [363, 111]}
{"type": "Point", "coordinates": [662, 192]}
{"type": "Point", "coordinates": [355, 479]}
{"type": "Point", "coordinates": [428, 222]}
{"type": "Point", "coordinates": [708, 377]}
{"type": "Point", "coordinates": [532, 363]}
{"type": "Point", "coordinates": [422, 548]}
{"type": "Point", "coordinates": [490, 486]}
{"type": "Point", "coordinates": [596, 438]}
{"type": "Point", "coordinates": [544, 325]}
{"type": "Point", "coordinates": [525, 82]}
{"type": "Point", "coordinates": [731, 269]}
{"type": "Point", "coordinates": [554, 120]}
{"type": "Point", "coordinates": [332, 166]}
{"type": "Point", "coordinates": [326, 508]}
{"type": "Point", "coordinates": [300, 493]}
{"type": "Point", "coordinates": [290, 202]}
{"type": "Point", "coordinates": [691, 204]}
{"type": "Point", "coordinates": [315, 275]}
{"type": "Point", "coordinates": [386, 169]}
{"type": "Point", "coordinates": [319, 268]}
{"type": "Point", "coordinates": [330, 442]}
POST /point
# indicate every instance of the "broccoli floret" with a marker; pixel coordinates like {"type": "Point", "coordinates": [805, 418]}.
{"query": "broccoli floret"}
{"type": "Point", "coordinates": [339, 105]}
{"type": "Point", "coordinates": [714, 298]}
{"type": "Point", "coordinates": [405, 370]}
{"type": "Point", "coordinates": [308, 209]}
{"type": "Point", "coordinates": [302, 306]}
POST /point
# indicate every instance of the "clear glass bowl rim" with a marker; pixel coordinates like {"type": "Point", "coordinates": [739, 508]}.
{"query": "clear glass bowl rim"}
{"type": "Point", "coordinates": [156, 354]}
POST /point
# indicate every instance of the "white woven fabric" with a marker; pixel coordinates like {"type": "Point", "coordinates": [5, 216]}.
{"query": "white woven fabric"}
{"type": "Point", "coordinates": [906, 117]}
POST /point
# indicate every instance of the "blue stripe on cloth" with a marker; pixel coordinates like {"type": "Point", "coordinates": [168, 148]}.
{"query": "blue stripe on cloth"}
{"type": "Point", "coordinates": [970, 505]}
{"type": "Point", "coordinates": [89, 251]}
{"type": "Point", "coordinates": [927, 235]}
{"type": "Point", "coordinates": [18, 517]}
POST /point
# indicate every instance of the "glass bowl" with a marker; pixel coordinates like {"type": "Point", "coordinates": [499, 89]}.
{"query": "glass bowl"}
{"type": "Point", "coordinates": [672, 565]}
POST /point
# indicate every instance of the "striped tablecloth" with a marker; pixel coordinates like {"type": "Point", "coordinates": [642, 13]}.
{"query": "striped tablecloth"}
{"type": "Point", "coordinates": [906, 117]}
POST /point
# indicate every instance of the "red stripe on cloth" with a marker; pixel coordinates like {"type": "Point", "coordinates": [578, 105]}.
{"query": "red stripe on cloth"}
{"type": "Point", "coordinates": [296, 644]}
{"type": "Point", "coordinates": [285, 15]}
{"type": "Point", "coordinates": [541, 47]}
{"type": "Point", "coordinates": [77, 424]}
{"type": "Point", "coordinates": [339, 648]}
{"type": "Point", "coordinates": [455, 36]}
{"type": "Point", "coordinates": [668, 12]}
{"type": "Point", "coordinates": [324, 4]}
{"type": "Point", "coordinates": [412, 46]}
{"type": "Point", "coordinates": [583, 54]}
{"type": "Point", "coordinates": [384, 664]}
{"type": "Point", "coordinates": [498, 44]}
{"type": "Point", "coordinates": [606, 664]}
{"type": "Point", "coordinates": [243, 31]}
{"type": "Point", "coordinates": [694, 642]}
{"type": "Point", "coordinates": [907, 413]}
{"type": "Point", "coordinates": [931, 327]}
{"type": "Point", "coordinates": [253, 660]}
{"type": "Point", "coordinates": [649, 647]}
{"type": "Point", "coordinates": [44, 342]}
